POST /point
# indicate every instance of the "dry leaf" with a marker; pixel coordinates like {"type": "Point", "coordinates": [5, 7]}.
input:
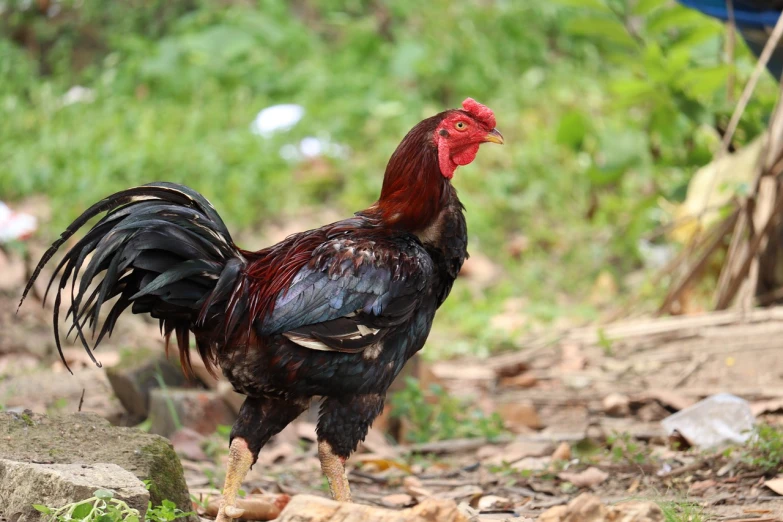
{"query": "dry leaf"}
{"type": "Point", "coordinates": [775, 484]}
{"type": "Point", "coordinates": [562, 453]}
{"type": "Point", "coordinates": [519, 415]}
{"type": "Point", "coordinates": [278, 452]}
{"type": "Point", "coordinates": [467, 493]}
{"type": "Point", "coordinates": [398, 500]}
{"type": "Point", "coordinates": [571, 358]}
{"type": "Point", "coordinates": [524, 380]}
{"type": "Point", "coordinates": [494, 502]}
{"type": "Point", "coordinates": [616, 405]}
{"type": "Point", "coordinates": [770, 406]}
{"type": "Point", "coordinates": [188, 444]}
{"type": "Point", "coordinates": [516, 451]}
{"type": "Point", "coordinates": [698, 488]}
{"type": "Point", "coordinates": [532, 464]}
{"type": "Point", "coordinates": [588, 478]}
{"type": "Point", "coordinates": [415, 488]}
{"type": "Point", "coordinates": [380, 463]}
{"type": "Point", "coordinates": [668, 398]}
{"type": "Point", "coordinates": [652, 412]}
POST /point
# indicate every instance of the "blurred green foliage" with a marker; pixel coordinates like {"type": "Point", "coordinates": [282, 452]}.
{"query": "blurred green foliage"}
{"type": "Point", "coordinates": [607, 106]}
{"type": "Point", "coordinates": [434, 414]}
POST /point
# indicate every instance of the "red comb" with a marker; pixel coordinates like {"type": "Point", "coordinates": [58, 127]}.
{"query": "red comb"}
{"type": "Point", "coordinates": [481, 112]}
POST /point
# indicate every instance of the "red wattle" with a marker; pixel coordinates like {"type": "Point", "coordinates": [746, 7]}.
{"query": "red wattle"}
{"type": "Point", "coordinates": [466, 155]}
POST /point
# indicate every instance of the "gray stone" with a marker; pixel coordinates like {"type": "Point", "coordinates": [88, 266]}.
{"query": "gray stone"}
{"type": "Point", "coordinates": [200, 410]}
{"type": "Point", "coordinates": [23, 484]}
{"type": "Point", "coordinates": [137, 375]}
{"type": "Point", "coordinates": [58, 390]}
{"type": "Point", "coordinates": [84, 438]}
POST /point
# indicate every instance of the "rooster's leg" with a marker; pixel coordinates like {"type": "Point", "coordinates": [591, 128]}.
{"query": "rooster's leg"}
{"type": "Point", "coordinates": [333, 466]}
{"type": "Point", "coordinates": [343, 423]}
{"type": "Point", "coordinates": [240, 459]}
{"type": "Point", "coordinates": [259, 419]}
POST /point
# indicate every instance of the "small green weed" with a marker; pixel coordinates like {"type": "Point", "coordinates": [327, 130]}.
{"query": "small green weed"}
{"type": "Point", "coordinates": [682, 511]}
{"type": "Point", "coordinates": [624, 448]}
{"type": "Point", "coordinates": [436, 415]}
{"type": "Point", "coordinates": [166, 512]}
{"type": "Point", "coordinates": [765, 449]}
{"type": "Point", "coordinates": [103, 507]}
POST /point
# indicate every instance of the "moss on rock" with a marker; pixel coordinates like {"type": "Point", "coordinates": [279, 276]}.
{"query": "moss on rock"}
{"type": "Point", "coordinates": [85, 438]}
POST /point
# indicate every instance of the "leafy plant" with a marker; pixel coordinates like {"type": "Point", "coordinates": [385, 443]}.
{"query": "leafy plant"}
{"type": "Point", "coordinates": [765, 449]}
{"type": "Point", "coordinates": [437, 415]}
{"type": "Point", "coordinates": [166, 512]}
{"type": "Point", "coordinates": [103, 507]}
{"type": "Point", "coordinates": [624, 448]}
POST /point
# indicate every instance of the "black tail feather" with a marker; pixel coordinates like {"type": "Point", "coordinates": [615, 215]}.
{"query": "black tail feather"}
{"type": "Point", "coordinates": [161, 249]}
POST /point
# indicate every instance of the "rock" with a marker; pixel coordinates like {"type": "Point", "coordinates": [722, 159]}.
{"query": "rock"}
{"type": "Point", "coordinates": [200, 410]}
{"type": "Point", "coordinates": [589, 508]}
{"type": "Point", "coordinates": [137, 375]}
{"type": "Point", "coordinates": [23, 484]}
{"type": "Point", "coordinates": [519, 415]}
{"type": "Point", "coordinates": [85, 438]}
{"type": "Point", "coordinates": [308, 508]}
{"type": "Point", "coordinates": [57, 390]}
{"type": "Point", "coordinates": [616, 405]}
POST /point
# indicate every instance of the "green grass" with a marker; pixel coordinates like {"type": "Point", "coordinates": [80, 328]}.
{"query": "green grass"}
{"type": "Point", "coordinates": [601, 123]}
{"type": "Point", "coordinates": [682, 511]}
{"type": "Point", "coordinates": [764, 450]}
{"type": "Point", "coordinates": [433, 415]}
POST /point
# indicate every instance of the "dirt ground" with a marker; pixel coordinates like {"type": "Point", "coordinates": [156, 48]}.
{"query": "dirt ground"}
{"type": "Point", "coordinates": [601, 391]}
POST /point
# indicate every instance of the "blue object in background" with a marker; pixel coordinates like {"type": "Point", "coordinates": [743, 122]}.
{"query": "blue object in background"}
{"type": "Point", "coordinates": [754, 19]}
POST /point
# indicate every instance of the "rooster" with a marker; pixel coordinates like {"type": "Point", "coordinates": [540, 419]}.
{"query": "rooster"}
{"type": "Point", "coordinates": [333, 312]}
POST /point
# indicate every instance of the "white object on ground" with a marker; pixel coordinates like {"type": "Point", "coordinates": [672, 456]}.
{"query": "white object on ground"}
{"type": "Point", "coordinates": [717, 420]}
{"type": "Point", "coordinates": [276, 118]}
{"type": "Point", "coordinates": [282, 117]}
{"type": "Point", "coordinates": [78, 94]}
{"type": "Point", "coordinates": [15, 225]}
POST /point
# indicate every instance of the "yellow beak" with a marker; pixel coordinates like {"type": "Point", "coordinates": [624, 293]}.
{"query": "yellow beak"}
{"type": "Point", "coordinates": [494, 137]}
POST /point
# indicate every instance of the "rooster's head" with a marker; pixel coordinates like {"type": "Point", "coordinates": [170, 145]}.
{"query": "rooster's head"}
{"type": "Point", "coordinates": [460, 133]}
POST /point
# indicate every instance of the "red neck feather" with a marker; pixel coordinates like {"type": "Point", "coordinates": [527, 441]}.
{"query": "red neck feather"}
{"type": "Point", "coordinates": [413, 192]}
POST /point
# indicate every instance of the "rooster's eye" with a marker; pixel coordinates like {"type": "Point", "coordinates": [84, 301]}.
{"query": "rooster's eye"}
{"type": "Point", "coordinates": [460, 125]}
